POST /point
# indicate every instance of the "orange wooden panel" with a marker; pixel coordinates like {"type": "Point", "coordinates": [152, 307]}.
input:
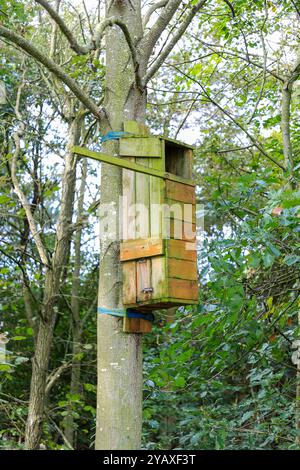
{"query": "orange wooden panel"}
{"type": "Point", "coordinates": [180, 192]}
{"type": "Point", "coordinates": [180, 210]}
{"type": "Point", "coordinates": [136, 325]}
{"type": "Point", "coordinates": [142, 248]}
{"type": "Point", "coordinates": [183, 289]}
{"type": "Point", "coordinates": [182, 269]}
{"type": "Point", "coordinates": [143, 280]}
{"type": "Point", "coordinates": [182, 230]}
{"type": "Point", "coordinates": [181, 249]}
{"type": "Point", "coordinates": [129, 282]}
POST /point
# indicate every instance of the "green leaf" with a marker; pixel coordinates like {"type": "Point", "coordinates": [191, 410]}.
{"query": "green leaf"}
{"type": "Point", "coordinates": [179, 382]}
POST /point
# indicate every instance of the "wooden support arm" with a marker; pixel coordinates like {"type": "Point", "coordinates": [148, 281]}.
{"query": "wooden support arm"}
{"type": "Point", "coordinates": [128, 165]}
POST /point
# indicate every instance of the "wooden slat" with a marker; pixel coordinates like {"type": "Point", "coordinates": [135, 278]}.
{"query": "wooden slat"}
{"type": "Point", "coordinates": [182, 269]}
{"type": "Point", "coordinates": [180, 192]}
{"type": "Point", "coordinates": [125, 163]}
{"type": "Point", "coordinates": [156, 199]}
{"type": "Point", "coordinates": [183, 289]}
{"type": "Point", "coordinates": [149, 147]}
{"type": "Point", "coordinates": [181, 210]}
{"type": "Point", "coordinates": [181, 249]}
{"type": "Point", "coordinates": [129, 282]}
{"type": "Point", "coordinates": [136, 325]}
{"type": "Point", "coordinates": [182, 230]}
{"type": "Point", "coordinates": [120, 162]}
{"type": "Point", "coordinates": [143, 280]}
{"type": "Point", "coordinates": [128, 209]}
{"type": "Point", "coordinates": [135, 249]}
{"type": "Point", "coordinates": [159, 277]}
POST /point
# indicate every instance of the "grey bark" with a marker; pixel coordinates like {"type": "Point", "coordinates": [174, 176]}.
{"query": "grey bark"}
{"type": "Point", "coordinates": [119, 397]}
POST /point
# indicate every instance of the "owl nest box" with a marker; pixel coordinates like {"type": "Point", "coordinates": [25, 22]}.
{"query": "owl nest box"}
{"type": "Point", "coordinates": [158, 252]}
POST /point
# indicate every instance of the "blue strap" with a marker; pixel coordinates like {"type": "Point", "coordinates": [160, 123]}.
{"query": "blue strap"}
{"type": "Point", "coordinates": [117, 312]}
{"type": "Point", "coordinates": [130, 313]}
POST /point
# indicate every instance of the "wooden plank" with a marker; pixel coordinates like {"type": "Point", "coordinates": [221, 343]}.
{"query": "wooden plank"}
{"type": "Point", "coordinates": [125, 163]}
{"type": "Point", "coordinates": [120, 162]}
{"type": "Point", "coordinates": [165, 302]}
{"type": "Point", "coordinates": [128, 209]}
{"type": "Point", "coordinates": [159, 277]}
{"type": "Point", "coordinates": [129, 282]}
{"type": "Point", "coordinates": [142, 197]}
{"type": "Point", "coordinates": [136, 325]}
{"type": "Point", "coordinates": [135, 249]}
{"type": "Point", "coordinates": [179, 179]}
{"type": "Point", "coordinates": [149, 147]}
{"type": "Point", "coordinates": [181, 249]}
{"type": "Point", "coordinates": [182, 230]}
{"type": "Point", "coordinates": [180, 210]}
{"type": "Point", "coordinates": [156, 199]}
{"type": "Point", "coordinates": [183, 289]}
{"type": "Point", "coordinates": [182, 269]}
{"type": "Point", "coordinates": [180, 192]}
{"type": "Point", "coordinates": [136, 128]}
{"type": "Point", "coordinates": [143, 280]}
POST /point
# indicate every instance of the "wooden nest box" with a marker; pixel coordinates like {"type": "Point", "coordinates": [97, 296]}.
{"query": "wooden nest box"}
{"type": "Point", "coordinates": [158, 251]}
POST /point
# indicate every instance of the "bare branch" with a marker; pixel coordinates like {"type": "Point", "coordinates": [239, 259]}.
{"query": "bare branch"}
{"type": "Point", "coordinates": [180, 31]}
{"type": "Point", "coordinates": [53, 67]}
{"type": "Point", "coordinates": [64, 28]}
{"type": "Point", "coordinates": [152, 9]}
{"type": "Point", "coordinates": [234, 120]}
{"type": "Point", "coordinates": [149, 40]}
{"type": "Point", "coordinates": [263, 80]}
{"type": "Point", "coordinates": [239, 55]}
{"type": "Point", "coordinates": [18, 134]}
{"type": "Point", "coordinates": [55, 374]}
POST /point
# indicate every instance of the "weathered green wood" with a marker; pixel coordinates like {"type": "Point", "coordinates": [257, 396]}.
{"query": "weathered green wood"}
{"type": "Point", "coordinates": [122, 163]}
{"type": "Point", "coordinates": [135, 128]}
{"type": "Point", "coordinates": [149, 147]}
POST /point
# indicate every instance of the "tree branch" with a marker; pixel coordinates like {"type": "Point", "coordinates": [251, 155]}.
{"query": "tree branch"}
{"type": "Point", "coordinates": [31, 50]}
{"type": "Point", "coordinates": [231, 7]}
{"type": "Point", "coordinates": [17, 135]}
{"type": "Point", "coordinates": [180, 31]}
{"type": "Point", "coordinates": [55, 374]}
{"type": "Point", "coordinates": [64, 28]}
{"type": "Point", "coordinates": [152, 9]}
{"type": "Point", "coordinates": [149, 40]}
{"type": "Point", "coordinates": [234, 120]}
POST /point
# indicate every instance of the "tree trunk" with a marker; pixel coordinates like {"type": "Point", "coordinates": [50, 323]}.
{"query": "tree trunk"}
{"type": "Point", "coordinates": [119, 397]}
{"type": "Point", "coordinates": [40, 361]}
{"type": "Point", "coordinates": [75, 386]}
